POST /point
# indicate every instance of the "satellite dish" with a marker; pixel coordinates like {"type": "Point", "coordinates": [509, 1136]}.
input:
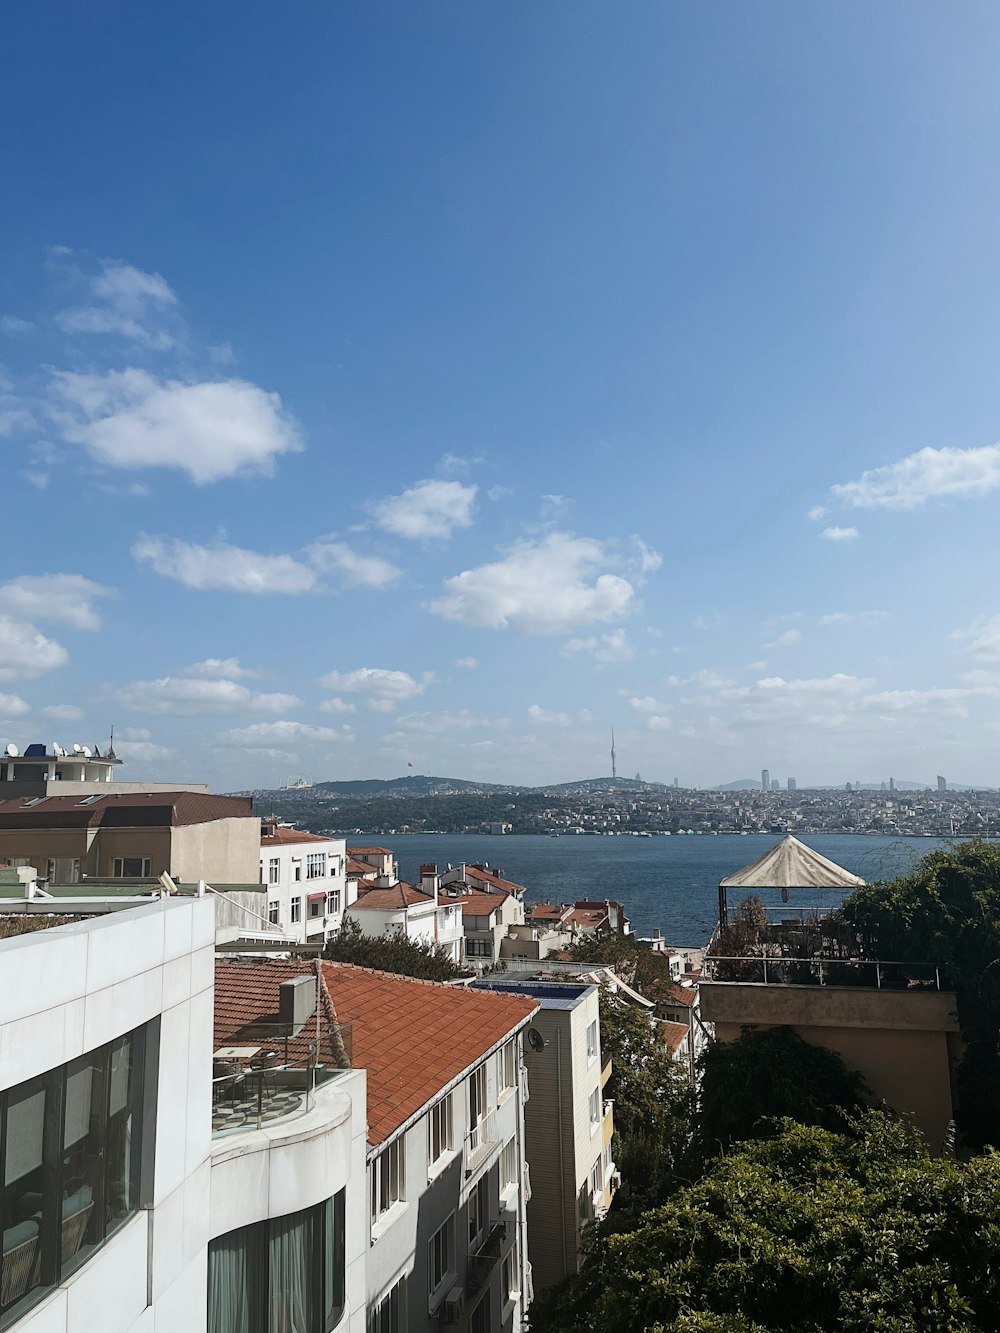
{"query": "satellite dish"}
{"type": "Point", "coordinates": [56, 749]}
{"type": "Point", "coordinates": [78, 749]}
{"type": "Point", "coordinates": [535, 1039]}
{"type": "Point", "coordinates": [12, 750]}
{"type": "Point", "coordinates": [86, 752]}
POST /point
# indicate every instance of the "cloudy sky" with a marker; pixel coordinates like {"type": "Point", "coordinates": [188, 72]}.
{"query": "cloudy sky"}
{"type": "Point", "coordinates": [443, 384]}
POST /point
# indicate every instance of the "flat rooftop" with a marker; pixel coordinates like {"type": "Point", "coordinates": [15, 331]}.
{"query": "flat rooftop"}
{"type": "Point", "coordinates": [549, 994]}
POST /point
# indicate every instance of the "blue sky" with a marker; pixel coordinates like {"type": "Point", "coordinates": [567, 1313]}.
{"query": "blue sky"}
{"type": "Point", "coordinates": [443, 384]}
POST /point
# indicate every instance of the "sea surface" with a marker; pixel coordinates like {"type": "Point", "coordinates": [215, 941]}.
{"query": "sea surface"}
{"type": "Point", "coordinates": [669, 882]}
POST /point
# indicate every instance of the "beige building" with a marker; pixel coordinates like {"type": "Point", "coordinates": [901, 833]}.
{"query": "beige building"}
{"type": "Point", "coordinates": [133, 835]}
{"type": "Point", "coordinates": [568, 1123]}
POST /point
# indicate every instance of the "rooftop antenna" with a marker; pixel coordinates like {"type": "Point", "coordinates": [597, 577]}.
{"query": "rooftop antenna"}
{"type": "Point", "coordinates": [111, 747]}
{"type": "Point", "coordinates": [614, 769]}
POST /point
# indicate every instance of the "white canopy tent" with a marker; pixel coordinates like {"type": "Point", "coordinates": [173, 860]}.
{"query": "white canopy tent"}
{"type": "Point", "coordinates": [789, 864]}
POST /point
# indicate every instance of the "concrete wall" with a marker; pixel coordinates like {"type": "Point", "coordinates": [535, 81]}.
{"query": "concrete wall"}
{"type": "Point", "coordinates": [898, 1040]}
{"type": "Point", "coordinates": [227, 850]}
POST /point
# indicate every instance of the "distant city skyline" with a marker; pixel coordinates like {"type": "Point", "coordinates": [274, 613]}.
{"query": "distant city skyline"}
{"type": "Point", "coordinates": [433, 388]}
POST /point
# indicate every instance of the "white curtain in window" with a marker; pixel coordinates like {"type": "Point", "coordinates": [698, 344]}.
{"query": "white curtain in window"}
{"type": "Point", "coordinates": [293, 1274]}
{"type": "Point", "coordinates": [234, 1288]}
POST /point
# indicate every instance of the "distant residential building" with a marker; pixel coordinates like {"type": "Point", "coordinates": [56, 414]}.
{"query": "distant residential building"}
{"type": "Point", "coordinates": [386, 905]}
{"type": "Point", "coordinates": [775, 785]}
{"type": "Point", "coordinates": [306, 881]}
{"type": "Point", "coordinates": [379, 860]}
{"type": "Point", "coordinates": [765, 780]}
{"type": "Point", "coordinates": [792, 784]}
{"type": "Point", "coordinates": [79, 770]}
{"type": "Point", "coordinates": [568, 1123]}
{"type": "Point", "coordinates": [135, 835]}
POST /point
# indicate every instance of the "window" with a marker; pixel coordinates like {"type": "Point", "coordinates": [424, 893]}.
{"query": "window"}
{"type": "Point", "coordinates": [479, 1210]}
{"type": "Point", "coordinates": [478, 949]}
{"type": "Point", "coordinates": [592, 1041]}
{"type": "Point", "coordinates": [387, 1314]}
{"type": "Point", "coordinates": [477, 1097]}
{"type": "Point", "coordinates": [480, 1321]}
{"type": "Point", "coordinates": [70, 1147]}
{"type": "Point", "coordinates": [440, 1251]}
{"type": "Point", "coordinates": [511, 1277]}
{"type": "Point", "coordinates": [597, 1177]}
{"type": "Point", "coordinates": [595, 1108]}
{"type": "Point", "coordinates": [281, 1274]}
{"type": "Point", "coordinates": [508, 1165]}
{"type": "Point", "coordinates": [508, 1066]}
{"type": "Point", "coordinates": [296, 909]}
{"type": "Point", "coordinates": [297, 872]}
{"type": "Point", "coordinates": [388, 1178]}
{"type": "Point", "coordinates": [316, 907]}
{"type": "Point", "coordinates": [333, 901]}
{"type": "Point", "coordinates": [315, 865]}
{"type": "Point", "coordinates": [274, 870]}
{"type": "Point", "coordinates": [131, 867]}
{"type": "Point", "coordinates": [272, 912]}
{"type": "Point", "coordinates": [440, 1129]}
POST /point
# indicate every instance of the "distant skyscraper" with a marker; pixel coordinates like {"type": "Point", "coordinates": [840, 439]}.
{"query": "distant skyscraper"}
{"type": "Point", "coordinates": [892, 784]}
{"type": "Point", "coordinates": [677, 782]}
{"type": "Point", "coordinates": [942, 784]}
{"type": "Point", "coordinates": [792, 784]}
{"type": "Point", "coordinates": [765, 780]}
{"type": "Point", "coordinates": [775, 785]}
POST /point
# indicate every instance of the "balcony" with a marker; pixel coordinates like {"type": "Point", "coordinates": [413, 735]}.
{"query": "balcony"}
{"type": "Point", "coordinates": [481, 1142]}
{"type": "Point", "coordinates": [270, 1072]}
{"type": "Point", "coordinates": [486, 1257]}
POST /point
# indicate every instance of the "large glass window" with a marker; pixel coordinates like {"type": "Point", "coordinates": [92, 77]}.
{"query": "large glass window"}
{"type": "Point", "coordinates": [70, 1144]}
{"type": "Point", "coordinates": [440, 1129]}
{"type": "Point", "coordinates": [440, 1255]}
{"type": "Point", "coordinates": [274, 870]}
{"type": "Point", "coordinates": [315, 865]}
{"type": "Point", "coordinates": [388, 1178]}
{"type": "Point", "coordinates": [285, 1275]}
{"type": "Point", "coordinates": [387, 1314]}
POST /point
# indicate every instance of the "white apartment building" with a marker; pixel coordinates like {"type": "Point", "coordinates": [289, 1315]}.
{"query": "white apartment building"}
{"type": "Point", "coordinates": [388, 906]}
{"type": "Point", "coordinates": [568, 1123]}
{"type": "Point", "coordinates": [138, 1194]}
{"type": "Point", "coordinates": [307, 887]}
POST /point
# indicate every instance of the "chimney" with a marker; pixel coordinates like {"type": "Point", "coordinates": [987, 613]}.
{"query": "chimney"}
{"type": "Point", "coordinates": [296, 1002]}
{"type": "Point", "coordinates": [430, 880]}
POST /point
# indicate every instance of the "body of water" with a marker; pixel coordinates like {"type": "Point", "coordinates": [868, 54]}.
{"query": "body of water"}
{"type": "Point", "coordinates": [667, 882]}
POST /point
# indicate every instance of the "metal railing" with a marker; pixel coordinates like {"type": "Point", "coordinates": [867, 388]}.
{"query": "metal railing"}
{"type": "Point", "coordinates": [481, 1140]}
{"type": "Point", "coordinates": [485, 1258]}
{"type": "Point", "coordinates": [818, 970]}
{"type": "Point", "coordinates": [269, 1072]}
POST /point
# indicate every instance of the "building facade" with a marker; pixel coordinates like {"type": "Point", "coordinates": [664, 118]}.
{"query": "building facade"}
{"type": "Point", "coordinates": [305, 878]}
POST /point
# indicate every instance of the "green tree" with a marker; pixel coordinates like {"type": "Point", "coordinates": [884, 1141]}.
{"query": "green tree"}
{"type": "Point", "coordinates": [805, 1232]}
{"type": "Point", "coordinates": [390, 953]}
{"type": "Point", "coordinates": [653, 1105]}
{"type": "Point", "coordinates": [947, 913]}
{"type": "Point", "coordinates": [767, 1075]}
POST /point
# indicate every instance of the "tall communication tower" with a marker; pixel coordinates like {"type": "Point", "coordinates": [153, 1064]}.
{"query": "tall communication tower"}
{"type": "Point", "coordinates": [614, 769]}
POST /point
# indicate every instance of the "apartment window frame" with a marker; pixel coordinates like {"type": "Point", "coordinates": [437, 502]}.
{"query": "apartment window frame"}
{"type": "Point", "coordinates": [441, 1257]}
{"type": "Point", "coordinates": [478, 1097]}
{"type": "Point", "coordinates": [120, 862]}
{"type": "Point", "coordinates": [333, 901]}
{"type": "Point", "coordinates": [441, 1130]}
{"type": "Point", "coordinates": [274, 912]}
{"type": "Point", "coordinates": [296, 913]}
{"type": "Point", "coordinates": [478, 949]}
{"type": "Point", "coordinates": [592, 1045]}
{"type": "Point", "coordinates": [316, 865]}
{"type": "Point", "coordinates": [274, 870]}
{"type": "Point", "coordinates": [388, 1179]}
{"type": "Point", "coordinates": [594, 1107]}
{"type": "Point", "coordinates": [84, 1188]}
{"type": "Point", "coordinates": [507, 1067]}
{"type": "Point", "coordinates": [322, 1250]}
{"type": "Point", "coordinates": [481, 1318]}
{"type": "Point", "coordinates": [388, 1312]}
{"type": "Point", "coordinates": [510, 1275]}
{"type": "Point", "coordinates": [479, 1212]}
{"type": "Point", "coordinates": [508, 1165]}
{"type": "Point", "coordinates": [317, 908]}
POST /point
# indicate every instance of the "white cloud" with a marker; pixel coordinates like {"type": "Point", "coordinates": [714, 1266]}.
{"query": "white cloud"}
{"type": "Point", "coordinates": [129, 302]}
{"type": "Point", "coordinates": [605, 648]}
{"type": "Point", "coordinates": [951, 701]}
{"type": "Point", "coordinates": [267, 734]}
{"type": "Point", "coordinates": [12, 324]}
{"type": "Point", "coordinates": [221, 566]}
{"type": "Point", "coordinates": [984, 639]}
{"type": "Point", "coordinates": [851, 617]}
{"type": "Point", "coordinates": [649, 560]}
{"type": "Point", "coordinates": [708, 622]}
{"type": "Point", "coordinates": [817, 513]}
{"type": "Point", "coordinates": [547, 718]}
{"type": "Point", "coordinates": [786, 639]}
{"type": "Point", "coordinates": [644, 703]}
{"type": "Point", "coordinates": [63, 712]}
{"type": "Point", "coordinates": [25, 651]}
{"type": "Point", "coordinates": [383, 689]}
{"type": "Point", "coordinates": [658, 722]}
{"type": "Point", "coordinates": [336, 705]}
{"type": "Point", "coordinates": [362, 571]}
{"type": "Point", "coordinates": [219, 668]}
{"type": "Point", "coordinates": [184, 696]}
{"type": "Point", "coordinates": [64, 598]}
{"type": "Point", "coordinates": [840, 534]}
{"type": "Point", "coordinates": [213, 429]}
{"type": "Point", "coordinates": [443, 724]}
{"type": "Point", "coordinates": [11, 705]}
{"type": "Point", "coordinates": [539, 587]}
{"type": "Point", "coordinates": [555, 507]}
{"type": "Point", "coordinates": [467, 663]}
{"type": "Point", "coordinates": [430, 509]}
{"type": "Point", "coordinates": [929, 474]}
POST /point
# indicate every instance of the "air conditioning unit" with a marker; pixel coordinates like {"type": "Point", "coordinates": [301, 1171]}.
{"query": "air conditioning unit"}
{"type": "Point", "coordinates": [452, 1308]}
{"type": "Point", "coordinates": [616, 1180]}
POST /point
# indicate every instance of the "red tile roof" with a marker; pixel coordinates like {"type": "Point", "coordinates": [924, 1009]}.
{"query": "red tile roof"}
{"type": "Point", "coordinates": [545, 911]}
{"type": "Point", "coordinates": [685, 995]}
{"type": "Point", "coordinates": [674, 1034]}
{"type": "Point", "coordinates": [412, 1037]}
{"type": "Point", "coordinates": [357, 868]}
{"type": "Point", "coordinates": [284, 837]}
{"type": "Point", "coordinates": [125, 810]}
{"type": "Point", "coordinates": [394, 898]}
{"type": "Point", "coordinates": [478, 904]}
{"type": "Point", "coordinates": [488, 877]}
{"type": "Point", "coordinates": [368, 851]}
